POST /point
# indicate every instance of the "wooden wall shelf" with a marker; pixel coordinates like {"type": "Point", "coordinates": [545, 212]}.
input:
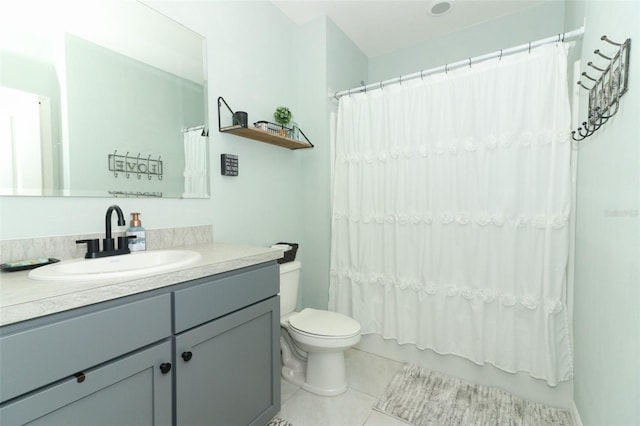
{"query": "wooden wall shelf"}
{"type": "Point", "coordinates": [266, 136]}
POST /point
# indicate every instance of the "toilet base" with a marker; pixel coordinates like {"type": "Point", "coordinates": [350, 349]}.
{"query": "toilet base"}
{"type": "Point", "coordinates": [292, 376]}
{"type": "Point", "coordinates": [322, 373]}
{"type": "Point", "coordinates": [326, 373]}
{"type": "Point", "coordinates": [294, 363]}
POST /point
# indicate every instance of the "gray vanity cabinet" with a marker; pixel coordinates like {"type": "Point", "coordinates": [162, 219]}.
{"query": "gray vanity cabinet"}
{"type": "Point", "coordinates": [203, 352]}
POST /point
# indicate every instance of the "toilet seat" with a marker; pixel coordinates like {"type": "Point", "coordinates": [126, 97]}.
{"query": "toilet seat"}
{"type": "Point", "coordinates": [324, 324]}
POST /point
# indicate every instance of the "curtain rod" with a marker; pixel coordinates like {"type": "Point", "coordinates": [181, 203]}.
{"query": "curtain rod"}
{"type": "Point", "coordinates": [562, 37]}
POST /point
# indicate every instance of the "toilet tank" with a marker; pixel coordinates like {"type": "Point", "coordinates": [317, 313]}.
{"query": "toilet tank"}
{"type": "Point", "coordinates": [289, 285]}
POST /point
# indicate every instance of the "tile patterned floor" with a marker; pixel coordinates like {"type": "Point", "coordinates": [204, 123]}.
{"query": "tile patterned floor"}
{"type": "Point", "coordinates": [368, 375]}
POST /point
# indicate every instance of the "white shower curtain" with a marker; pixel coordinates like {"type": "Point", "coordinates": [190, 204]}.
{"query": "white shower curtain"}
{"type": "Point", "coordinates": [195, 164]}
{"type": "Point", "coordinates": [451, 208]}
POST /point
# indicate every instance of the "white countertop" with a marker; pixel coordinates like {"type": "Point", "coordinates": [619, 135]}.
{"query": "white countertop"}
{"type": "Point", "coordinates": [22, 299]}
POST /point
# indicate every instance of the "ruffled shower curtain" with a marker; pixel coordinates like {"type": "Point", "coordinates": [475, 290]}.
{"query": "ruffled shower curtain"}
{"type": "Point", "coordinates": [451, 209]}
{"type": "Point", "coordinates": [195, 165]}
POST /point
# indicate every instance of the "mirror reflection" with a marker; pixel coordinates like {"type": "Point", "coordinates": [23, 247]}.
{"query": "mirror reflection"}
{"type": "Point", "coordinates": [109, 100]}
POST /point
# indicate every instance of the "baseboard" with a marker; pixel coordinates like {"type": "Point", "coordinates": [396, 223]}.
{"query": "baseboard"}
{"type": "Point", "coordinates": [577, 421]}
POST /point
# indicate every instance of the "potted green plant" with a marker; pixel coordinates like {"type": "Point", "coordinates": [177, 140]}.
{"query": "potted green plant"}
{"type": "Point", "coordinates": [282, 117]}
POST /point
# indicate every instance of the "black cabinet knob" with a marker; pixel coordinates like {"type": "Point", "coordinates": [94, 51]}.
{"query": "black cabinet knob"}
{"type": "Point", "coordinates": [80, 377]}
{"type": "Point", "coordinates": [165, 367]}
{"type": "Point", "coordinates": [187, 356]}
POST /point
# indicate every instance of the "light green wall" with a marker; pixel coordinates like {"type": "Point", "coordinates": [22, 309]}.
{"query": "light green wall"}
{"type": "Point", "coordinates": [607, 264]}
{"type": "Point", "coordinates": [531, 24]}
{"type": "Point", "coordinates": [347, 66]}
{"type": "Point", "coordinates": [314, 205]}
{"type": "Point", "coordinates": [328, 59]}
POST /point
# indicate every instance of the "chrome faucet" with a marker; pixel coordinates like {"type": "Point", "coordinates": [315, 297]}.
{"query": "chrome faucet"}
{"type": "Point", "coordinates": [108, 249]}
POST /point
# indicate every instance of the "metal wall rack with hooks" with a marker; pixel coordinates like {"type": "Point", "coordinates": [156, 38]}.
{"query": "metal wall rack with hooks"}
{"type": "Point", "coordinates": [607, 89]}
{"type": "Point", "coordinates": [270, 133]}
{"type": "Point", "coordinates": [137, 165]}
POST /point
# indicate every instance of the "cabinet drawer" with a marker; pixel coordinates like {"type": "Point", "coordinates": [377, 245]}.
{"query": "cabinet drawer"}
{"type": "Point", "coordinates": [216, 297]}
{"type": "Point", "coordinates": [35, 357]}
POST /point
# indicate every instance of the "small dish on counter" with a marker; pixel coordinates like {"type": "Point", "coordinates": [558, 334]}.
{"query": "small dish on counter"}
{"type": "Point", "coordinates": [23, 265]}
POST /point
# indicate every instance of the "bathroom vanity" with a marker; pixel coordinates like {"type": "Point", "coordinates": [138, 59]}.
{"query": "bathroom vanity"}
{"type": "Point", "coordinates": [193, 347]}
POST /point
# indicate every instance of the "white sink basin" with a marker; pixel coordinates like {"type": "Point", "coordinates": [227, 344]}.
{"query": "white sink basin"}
{"type": "Point", "coordinates": [123, 266]}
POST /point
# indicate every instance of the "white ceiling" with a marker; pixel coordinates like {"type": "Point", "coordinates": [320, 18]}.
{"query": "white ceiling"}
{"type": "Point", "coordinates": [379, 27]}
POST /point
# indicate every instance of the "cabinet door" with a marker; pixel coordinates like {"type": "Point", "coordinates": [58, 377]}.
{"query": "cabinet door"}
{"type": "Point", "coordinates": [129, 391]}
{"type": "Point", "coordinates": [227, 371]}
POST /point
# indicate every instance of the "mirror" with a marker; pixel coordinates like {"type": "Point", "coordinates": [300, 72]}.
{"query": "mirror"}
{"type": "Point", "coordinates": [100, 99]}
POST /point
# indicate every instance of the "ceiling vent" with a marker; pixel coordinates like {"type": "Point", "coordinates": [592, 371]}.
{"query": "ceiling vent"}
{"type": "Point", "coordinates": [440, 7]}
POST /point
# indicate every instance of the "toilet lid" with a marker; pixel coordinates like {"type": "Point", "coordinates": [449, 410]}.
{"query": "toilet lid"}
{"type": "Point", "coordinates": [324, 323]}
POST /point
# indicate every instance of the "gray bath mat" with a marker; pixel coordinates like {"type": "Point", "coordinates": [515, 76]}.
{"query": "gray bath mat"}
{"type": "Point", "coordinates": [424, 398]}
{"type": "Point", "coordinates": [277, 421]}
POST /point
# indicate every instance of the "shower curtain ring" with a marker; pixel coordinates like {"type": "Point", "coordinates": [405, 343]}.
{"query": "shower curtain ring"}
{"type": "Point", "coordinates": [422, 75]}
{"type": "Point", "coordinates": [558, 42]}
{"type": "Point", "coordinates": [349, 92]}
{"type": "Point", "coordinates": [469, 62]}
{"type": "Point", "coordinates": [529, 47]}
{"type": "Point", "coordinates": [400, 80]}
{"type": "Point", "coordinates": [381, 85]}
{"type": "Point", "coordinates": [446, 68]}
{"type": "Point", "coordinates": [500, 58]}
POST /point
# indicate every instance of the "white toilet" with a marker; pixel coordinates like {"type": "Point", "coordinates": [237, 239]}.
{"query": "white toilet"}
{"type": "Point", "coordinates": [313, 341]}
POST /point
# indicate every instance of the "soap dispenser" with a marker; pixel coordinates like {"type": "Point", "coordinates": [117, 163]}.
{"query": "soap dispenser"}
{"type": "Point", "coordinates": [136, 234]}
